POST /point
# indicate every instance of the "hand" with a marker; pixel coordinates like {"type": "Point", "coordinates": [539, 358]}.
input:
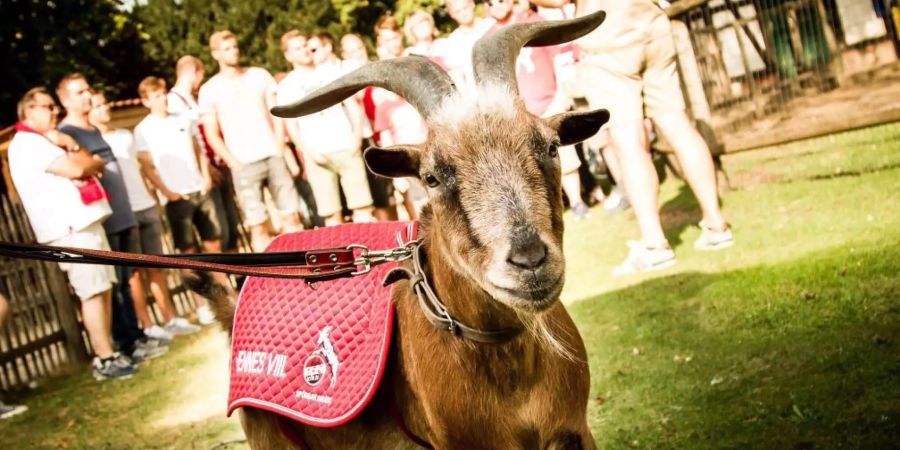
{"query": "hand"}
{"type": "Point", "coordinates": [174, 196]}
{"type": "Point", "coordinates": [317, 157]}
{"type": "Point", "coordinates": [234, 165]}
{"type": "Point", "coordinates": [292, 165]}
{"type": "Point", "coordinates": [207, 186]}
{"type": "Point", "coordinates": [62, 140]}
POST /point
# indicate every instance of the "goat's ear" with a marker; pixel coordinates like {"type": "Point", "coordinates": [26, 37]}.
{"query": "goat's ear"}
{"type": "Point", "coordinates": [574, 127]}
{"type": "Point", "coordinates": [395, 161]}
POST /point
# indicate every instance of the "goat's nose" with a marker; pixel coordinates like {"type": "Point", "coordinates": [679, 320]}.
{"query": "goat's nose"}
{"type": "Point", "coordinates": [527, 253]}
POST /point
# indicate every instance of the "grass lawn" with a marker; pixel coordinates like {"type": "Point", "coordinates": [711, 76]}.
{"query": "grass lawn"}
{"type": "Point", "coordinates": [789, 340]}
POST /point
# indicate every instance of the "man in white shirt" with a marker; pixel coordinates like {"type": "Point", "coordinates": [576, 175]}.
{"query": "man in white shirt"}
{"type": "Point", "coordinates": [236, 102]}
{"type": "Point", "coordinates": [150, 229]}
{"type": "Point", "coordinates": [189, 74]}
{"type": "Point", "coordinates": [66, 207]}
{"type": "Point", "coordinates": [457, 53]}
{"type": "Point", "coordinates": [330, 140]}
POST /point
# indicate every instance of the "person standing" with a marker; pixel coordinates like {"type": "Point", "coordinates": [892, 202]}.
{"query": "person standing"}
{"type": "Point", "coordinates": [182, 100]}
{"type": "Point", "coordinates": [236, 102]}
{"type": "Point", "coordinates": [121, 227]}
{"type": "Point", "coordinates": [150, 229]}
{"type": "Point", "coordinates": [66, 206]}
{"type": "Point", "coordinates": [628, 67]}
{"type": "Point", "coordinates": [330, 140]}
{"type": "Point", "coordinates": [456, 55]}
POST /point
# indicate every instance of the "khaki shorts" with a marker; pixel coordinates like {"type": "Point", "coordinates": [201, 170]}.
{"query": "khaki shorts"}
{"type": "Point", "coordinates": [273, 173]}
{"type": "Point", "coordinates": [636, 81]}
{"type": "Point", "coordinates": [346, 166]}
{"type": "Point", "coordinates": [88, 280]}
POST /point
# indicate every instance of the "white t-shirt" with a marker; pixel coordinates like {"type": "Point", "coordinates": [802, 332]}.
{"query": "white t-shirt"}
{"type": "Point", "coordinates": [326, 131]}
{"type": "Point", "coordinates": [53, 203]}
{"type": "Point", "coordinates": [122, 143]}
{"type": "Point", "coordinates": [456, 52]}
{"type": "Point", "coordinates": [168, 139]}
{"type": "Point", "coordinates": [240, 105]}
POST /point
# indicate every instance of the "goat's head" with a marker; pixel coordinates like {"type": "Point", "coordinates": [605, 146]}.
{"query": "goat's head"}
{"type": "Point", "coordinates": [491, 168]}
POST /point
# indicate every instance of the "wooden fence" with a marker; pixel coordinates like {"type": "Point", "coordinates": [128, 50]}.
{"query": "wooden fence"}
{"type": "Point", "coordinates": [765, 72]}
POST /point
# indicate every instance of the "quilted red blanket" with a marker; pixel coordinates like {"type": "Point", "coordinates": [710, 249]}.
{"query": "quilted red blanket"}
{"type": "Point", "coordinates": [315, 353]}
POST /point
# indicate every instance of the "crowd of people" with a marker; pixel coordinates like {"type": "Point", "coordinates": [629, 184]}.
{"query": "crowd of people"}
{"type": "Point", "coordinates": [209, 154]}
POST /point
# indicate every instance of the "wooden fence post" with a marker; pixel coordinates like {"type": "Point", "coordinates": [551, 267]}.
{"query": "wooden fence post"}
{"type": "Point", "coordinates": [59, 288]}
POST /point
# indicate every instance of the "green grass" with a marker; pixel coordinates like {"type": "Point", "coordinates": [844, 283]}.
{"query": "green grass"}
{"type": "Point", "coordinates": [789, 340]}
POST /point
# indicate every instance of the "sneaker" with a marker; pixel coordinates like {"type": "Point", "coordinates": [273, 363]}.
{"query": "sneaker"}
{"type": "Point", "coordinates": [645, 259]}
{"type": "Point", "coordinates": [615, 202]}
{"type": "Point", "coordinates": [148, 349]}
{"type": "Point", "coordinates": [712, 239]}
{"type": "Point", "coordinates": [159, 333]}
{"type": "Point", "coordinates": [179, 326]}
{"type": "Point", "coordinates": [581, 211]}
{"type": "Point", "coordinates": [112, 368]}
{"type": "Point", "coordinates": [7, 411]}
{"type": "Point", "coordinates": [205, 315]}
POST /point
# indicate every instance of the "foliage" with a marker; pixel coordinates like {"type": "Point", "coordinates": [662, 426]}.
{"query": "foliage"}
{"type": "Point", "coordinates": [40, 42]}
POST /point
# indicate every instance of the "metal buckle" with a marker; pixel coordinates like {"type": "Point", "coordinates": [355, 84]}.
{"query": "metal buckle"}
{"type": "Point", "coordinates": [370, 258]}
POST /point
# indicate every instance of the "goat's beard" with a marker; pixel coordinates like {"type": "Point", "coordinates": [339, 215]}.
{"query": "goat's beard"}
{"type": "Point", "coordinates": [539, 326]}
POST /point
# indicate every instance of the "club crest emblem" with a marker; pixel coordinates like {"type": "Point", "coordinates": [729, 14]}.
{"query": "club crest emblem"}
{"type": "Point", "coordinates": [323, 362]}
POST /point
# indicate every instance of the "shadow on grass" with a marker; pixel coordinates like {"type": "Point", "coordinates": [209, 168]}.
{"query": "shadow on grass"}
{"type": "Point", "coordinates": [802, 354]}
{"type": "Point", "coordinates": [679, 213]}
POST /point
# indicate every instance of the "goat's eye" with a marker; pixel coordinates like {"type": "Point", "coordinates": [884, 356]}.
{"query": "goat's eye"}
{"type": "Point", "coordinates": [431, 180]}
{"type": "Point", "coordinates": [553, 150]}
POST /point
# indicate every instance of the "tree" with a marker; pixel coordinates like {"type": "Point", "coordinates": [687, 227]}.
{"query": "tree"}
{"type": "Point", "coordinates": [40, 42]}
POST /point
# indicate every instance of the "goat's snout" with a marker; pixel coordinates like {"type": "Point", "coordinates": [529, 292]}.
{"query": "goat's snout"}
{"type": "Point", "coordinates": [527, 252]}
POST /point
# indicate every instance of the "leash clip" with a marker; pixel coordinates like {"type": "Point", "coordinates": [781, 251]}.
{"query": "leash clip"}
{"type": "Point", "coordinates": [370, 258]}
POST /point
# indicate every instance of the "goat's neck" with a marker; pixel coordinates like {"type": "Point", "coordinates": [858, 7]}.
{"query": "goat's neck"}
{"type": "Point", "coordinates": [465, 300]}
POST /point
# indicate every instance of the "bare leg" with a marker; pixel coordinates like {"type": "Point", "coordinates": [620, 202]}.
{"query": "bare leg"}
{"type": "Point", "coordinates": [96, 314]}
{"type": "Point", "coordinates": [140, 299]}
{"type": "Point", "coordinates": [215, 246]}
{"type": "Point", "coordinates": [363, 215]}
{"type": "Point", "coordinates": [639, 178]}
{"type": "Point", "coordinates": [410, 207]}
{"type": "Point", "coordinates": [385, 214]}
{"type": "Point", "coordinates": [160, 290]}
{"type": "Point", "coordinates": [571, 184]}
{"type": "Point", "coordinates": [292, 223]}
{"type": "Point", "coordinates": [612, 163]}
{"type": "Point", "coordinates": [334, 219]}
{"type": "Point", "coordinates": [198, 299]}
{"type": "Point", "coordinates": [696, 162]}
{"type": "Point", "coordinates": [260, 237]}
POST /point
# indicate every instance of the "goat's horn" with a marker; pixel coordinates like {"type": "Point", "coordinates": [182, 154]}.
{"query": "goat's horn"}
{"type": "Point", "coordinates": [494, 56]}
{"type": "Point", "coordinates": [418, 80]}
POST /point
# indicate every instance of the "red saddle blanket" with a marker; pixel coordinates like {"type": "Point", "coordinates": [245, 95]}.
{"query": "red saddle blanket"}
{"type": "Point", "coordinates": [316, 353]}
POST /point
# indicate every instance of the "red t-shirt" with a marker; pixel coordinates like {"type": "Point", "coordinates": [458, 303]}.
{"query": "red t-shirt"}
{"type": "Point", "coordinates": [535, 71]}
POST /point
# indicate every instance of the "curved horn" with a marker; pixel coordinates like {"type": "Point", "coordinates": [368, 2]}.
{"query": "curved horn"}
{"type": "Point", "coordinates": [494, 56]}
{"type": "Point", "coordinates": [418, 80]}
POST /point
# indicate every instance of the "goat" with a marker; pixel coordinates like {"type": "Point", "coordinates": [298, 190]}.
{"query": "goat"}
{"type": "Point", "coordinates": [492, 232]}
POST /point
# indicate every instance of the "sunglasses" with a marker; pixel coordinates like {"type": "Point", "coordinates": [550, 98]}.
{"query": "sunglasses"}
{"type": "Point", "coordinates": [49, 106]}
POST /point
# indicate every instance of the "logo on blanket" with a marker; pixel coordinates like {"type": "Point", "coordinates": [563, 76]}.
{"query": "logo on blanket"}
{"type": "Point", "coordinates": [324, 361]}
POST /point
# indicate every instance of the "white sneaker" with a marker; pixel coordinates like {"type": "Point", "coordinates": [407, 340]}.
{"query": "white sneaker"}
{"type": "Point", "coordinates": [642, 258]}
{"type": "Point", "coordinates": [180, 326]}
{"type": "Point", "coordinates": [205, 315]}
{"type": "Point", "coordinates": [159, 333]}
{"type": "Point", "coordinates": [712, 239]}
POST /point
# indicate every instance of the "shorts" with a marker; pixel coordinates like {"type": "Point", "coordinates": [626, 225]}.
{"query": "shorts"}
{"type": "Point", "coordinates": [197, 211]}
{"type": "Point", "coordinates": [150, 230]}
{"type": "Point", "coordinates": [635, 81]}
{"type": "Point", "coordinates": [347, 167]}
{"type": "Point", "coordinates": [88, 280]}
{"type": "Point", "coordinates": [273, 173]}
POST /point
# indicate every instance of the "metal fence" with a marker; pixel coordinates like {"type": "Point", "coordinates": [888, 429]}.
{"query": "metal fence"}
{"type": "Point", "coordinates": [764, 72]}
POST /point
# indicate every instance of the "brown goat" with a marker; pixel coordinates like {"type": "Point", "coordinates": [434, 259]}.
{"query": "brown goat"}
{"type": "Point", "coordinates": [492, 233]}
